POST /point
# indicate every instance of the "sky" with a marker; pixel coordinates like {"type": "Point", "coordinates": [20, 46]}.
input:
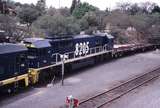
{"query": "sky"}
{"type": "Point", "coordinates": [101, 4]}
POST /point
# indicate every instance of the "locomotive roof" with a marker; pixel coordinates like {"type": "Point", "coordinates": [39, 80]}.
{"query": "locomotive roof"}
{"type": "Point", "coordinates": [42, 43]}
{"type": "Point", "coordinates": [11, 48]}
{"type": "Point", "coordinates": [83, 36]}
{"type": "Point", "coordinates": [37, 42]}
{"type": "Point", "coordinates": [79, 36]}
{"type": "Point", "coordinates": [69, 37]}
{"type": "Point", "coordinates": [109, 36]}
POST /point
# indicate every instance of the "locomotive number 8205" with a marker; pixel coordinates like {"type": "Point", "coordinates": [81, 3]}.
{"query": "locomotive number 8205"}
{"type": "Point", "coordinates": [81, 48]}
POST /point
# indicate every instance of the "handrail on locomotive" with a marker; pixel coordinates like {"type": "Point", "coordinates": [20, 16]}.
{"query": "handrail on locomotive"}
{"type": "Point", "coordinates": [72, 55]}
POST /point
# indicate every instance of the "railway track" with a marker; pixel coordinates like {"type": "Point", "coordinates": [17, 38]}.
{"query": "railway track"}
{"type": "Point", "coordinates": [107, 97]}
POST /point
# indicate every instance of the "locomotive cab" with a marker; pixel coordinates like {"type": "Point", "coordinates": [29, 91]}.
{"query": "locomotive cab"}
{"type": "Point", "coordinates": [61, 45]}
{"type": "Point", "coordinates": [39, 52]}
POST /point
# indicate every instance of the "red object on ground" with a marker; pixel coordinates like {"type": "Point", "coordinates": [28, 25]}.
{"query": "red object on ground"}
{"type": "Point", "coordinates": [76, 102]}
{"type": "Point", "coordinates": [70, 101]}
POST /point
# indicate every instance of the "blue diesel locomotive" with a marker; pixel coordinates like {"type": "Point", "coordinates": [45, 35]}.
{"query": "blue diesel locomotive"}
{"type": "Point", "coordinates": [13, 63]}
{"type": "Point", "coordinates": [41, 52]}
{"type": "Point", "coordinates": [35, 53]}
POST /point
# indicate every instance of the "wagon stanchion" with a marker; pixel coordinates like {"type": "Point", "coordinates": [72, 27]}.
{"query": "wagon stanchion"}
{"type": "Point", "coordinates": [63, 72]}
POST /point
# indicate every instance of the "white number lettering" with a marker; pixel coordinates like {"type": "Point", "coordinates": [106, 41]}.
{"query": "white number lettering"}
{"type": "Point", "coordinates": [81, 48]}
{"type": "Point", "coordinates": [84, 48]}
{"type": "Point", "coordinates": [77, 49]}
{"type": "Point", "coordinates": [87, 48]}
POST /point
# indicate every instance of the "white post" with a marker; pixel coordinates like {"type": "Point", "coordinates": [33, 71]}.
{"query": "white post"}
{"type": "Point", "coordinates": [63, 70]}
{"type": "Point", "coordinates": [63, 58]}
{"type": "Point", "coordinates": [56, 57]}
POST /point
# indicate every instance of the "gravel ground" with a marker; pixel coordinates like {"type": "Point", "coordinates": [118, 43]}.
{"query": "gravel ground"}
{"type": "Point", "coordinates": [86, 83]}
{"type": "Point", "coordinates": [147, 96]}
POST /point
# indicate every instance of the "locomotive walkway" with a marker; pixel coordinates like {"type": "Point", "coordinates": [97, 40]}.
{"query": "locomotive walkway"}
{"type": "Point", "coordinates": [86, 83]}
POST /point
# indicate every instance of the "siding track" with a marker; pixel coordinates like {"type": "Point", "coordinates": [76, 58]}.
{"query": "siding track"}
{"type": "Point", "coordinates": [106, 97]}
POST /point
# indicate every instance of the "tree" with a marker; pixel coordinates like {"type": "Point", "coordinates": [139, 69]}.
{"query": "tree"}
{"type": "Point", "coordinates": [100, 17]}
{"type": "Point", "coordinates": [122, 22]}
{"type": "Point", "coordinates": [81, 10]}
{"type": "Point", "coordinates": [64, 12]}
{"type": "Point", "coordinates": [28, 14]}
{"type": "Point", "coordinates": [41, 6]}
{"type": "Point", "coordinates": [88, 22]}
{"type": "Point", "coordinates": [72, 26]}
{"type": "Point", "coordinates": [73, 6]}
{"type": "Point", "coordinates": [91, 18]}
{"type": "Point", "coordinates": [8, 24]}
{"type": "Point", "coordinates": [51, 11]}
{"type": "Point", "coordinates": [57, 25]}
{"type": "Point", "coordinates": [141, 22]}
{"type": "Point", "coordinates": [156, 9]}
{"type": "Point", "coordinates": [130, 9]}
{"type": "Point", "coordinates": [134, 9]}
{"type": "Point", "coordinates": [147, 7]}
{"type": "Point", "coordinates": [123, 6]}
{"type": "Point", "coordinates": [83, 24]}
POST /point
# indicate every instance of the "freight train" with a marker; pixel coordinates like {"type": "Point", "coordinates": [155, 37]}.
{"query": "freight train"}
{"type": "Point", "coordinates": [23, 62]}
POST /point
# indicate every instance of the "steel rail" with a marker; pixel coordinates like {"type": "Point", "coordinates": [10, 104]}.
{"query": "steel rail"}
{"type": "Point", "coordinates": [84, 102]}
